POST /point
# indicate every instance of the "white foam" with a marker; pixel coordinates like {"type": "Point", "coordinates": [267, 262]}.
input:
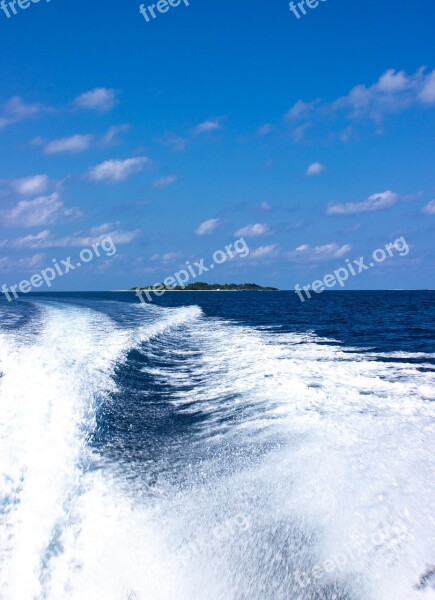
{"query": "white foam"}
{"type": "Point", "coordinates": [304, 453]}
{"type": "Point", "coordinates": [48, 393]}
{"type": "Point", "coordinates": [356, 437]}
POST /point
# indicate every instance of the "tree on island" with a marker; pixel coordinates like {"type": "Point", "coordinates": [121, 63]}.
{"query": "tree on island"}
{"type": "Point", "coordinates": [200, 286]}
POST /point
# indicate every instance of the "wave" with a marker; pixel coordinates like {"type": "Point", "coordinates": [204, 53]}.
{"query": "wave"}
{"type": "Point", "coordinates": [302, 471]}
{"type": "Point", "coordinates": [49, 393]}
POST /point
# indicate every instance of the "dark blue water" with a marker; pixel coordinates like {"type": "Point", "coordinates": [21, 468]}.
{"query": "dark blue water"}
{"type": "Point", "coordinates": [388, 320]}
{"type": "Point", "coordinates": [217, 445]}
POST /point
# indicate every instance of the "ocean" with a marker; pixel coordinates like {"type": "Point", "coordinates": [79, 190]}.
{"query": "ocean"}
{"type": "Point", "coordinates": [219, 446]}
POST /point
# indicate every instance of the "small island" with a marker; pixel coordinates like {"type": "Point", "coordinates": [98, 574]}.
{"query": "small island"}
{"type": "Point", "coordinates": [200, 286]}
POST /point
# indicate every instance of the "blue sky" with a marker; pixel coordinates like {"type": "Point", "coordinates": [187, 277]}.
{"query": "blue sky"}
{"type": "Point", "coordinates": [312, 138]}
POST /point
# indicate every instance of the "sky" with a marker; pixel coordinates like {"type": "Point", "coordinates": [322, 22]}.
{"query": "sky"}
{"type": "Point", "coordinates": [312, 138]}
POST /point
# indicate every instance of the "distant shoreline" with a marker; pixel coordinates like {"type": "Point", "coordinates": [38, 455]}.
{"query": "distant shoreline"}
{"type": "Point", "coordinates": [201, 286]}
{"type": "Point", "coordinates": [184, 291]}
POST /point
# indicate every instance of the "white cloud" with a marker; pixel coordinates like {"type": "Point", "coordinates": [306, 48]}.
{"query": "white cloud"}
{"type": "Point", "coordinates": [29, 263]}
{"type": "Point", "coordinates": [115, 171]}
{"type": "Point", "coordinates": [305, 252]}
{"type": "Point", "coordinates": [16, 110]}
{"type": "Point", "coordinates": [28, 241]}
{"type": "Point", "coordinates": [73, 144]}
{"type": "Point", "coordinates": [255, 230]}
{"type": "Point", "coordinates": [99, 99]}
{"type": "Point", "coordinates": [265, 206]}
{"type": "Point", "coordinates": [394, 92]}
{"type": "Point", "coordinates": [427, 94]}
{"type": "Point", "coordinates": [429, 209]}
{"type": "Point", "coordinates": [300, 110]}
{"type": "Point", "coordinates": [207, 227]}
{"type": "Point", "coordinates": [206, 127]}
{"type": "Point", "coordinates": [265, 129]}
{"type": "Point", "coordinates": [104, 228]}
{"type": "Point", "coordinates": [118, 236]}
{"type": "Point", "coordinates": [315, 169]}
{"type": "Point", "coordinates": [380, 201]}
{"type": "Point", "coordinates": [44, 239]}
{"type": "Point", "coordinates": [34, 213]}
{"type": "Point", "coordinates": [179, 143]}
{"type": "Point", "coordinates": [300, 130]}
{"type": "Point", "coordinates": [5, 263]}
{"type": "Point", "coordinates": [164, 181]}
{"type": "Point", "coordinates": [110, 138]}
{"type": "Point", "coordinates": [166, 258]}
{"type": "Point", "coordinates": [28, 186]}
{"type": "Point", "coordinates": [264, 252]}
{"type": "Point", "coordinates": [170, 256]}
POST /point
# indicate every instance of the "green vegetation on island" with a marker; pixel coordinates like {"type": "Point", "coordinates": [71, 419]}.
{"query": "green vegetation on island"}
{"type": "Point", "coordinates": [200, 286]}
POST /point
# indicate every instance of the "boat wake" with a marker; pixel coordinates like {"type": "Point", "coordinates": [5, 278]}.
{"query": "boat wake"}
{"type": "Point", "coordinates": [156, 453]}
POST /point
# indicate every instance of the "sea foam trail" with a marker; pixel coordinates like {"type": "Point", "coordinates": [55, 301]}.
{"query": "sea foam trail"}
{"type": "Point", "coordinates": [339, 448]}
{"type": "Point", "coordinates": [50, 387]}
{"type": "Point", "coordinates": [300, 453]}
